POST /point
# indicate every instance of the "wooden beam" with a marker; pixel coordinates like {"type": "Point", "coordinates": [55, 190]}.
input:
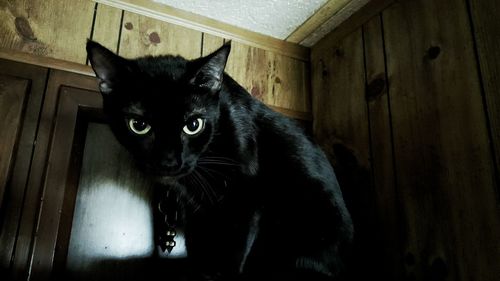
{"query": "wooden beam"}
{"type": "Point", "coordinates": [210, 26]}
{"type": "Point", "coordinates": [327, 11]}
{"type": "Point", "coordinates": [350, 25]}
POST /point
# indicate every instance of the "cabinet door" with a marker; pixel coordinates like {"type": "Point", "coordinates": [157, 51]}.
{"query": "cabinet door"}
{"type": "Point", "coordinates": [21, 92]}
{"type": "Point", "coordinates": [95, 219]}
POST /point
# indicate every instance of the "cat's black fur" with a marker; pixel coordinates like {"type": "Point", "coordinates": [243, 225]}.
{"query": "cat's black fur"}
{"type": "Point", "coordinates": [260, 198]}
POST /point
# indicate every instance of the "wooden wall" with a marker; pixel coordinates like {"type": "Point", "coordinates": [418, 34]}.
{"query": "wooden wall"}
{"type": "Point", "coordinates": [59, 29]}
{"type": "Point", "coordinates": [409, 103]}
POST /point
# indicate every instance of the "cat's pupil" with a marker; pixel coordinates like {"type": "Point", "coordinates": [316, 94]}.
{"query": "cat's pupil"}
{"type": "Point", "coordinates": [139, 125]}
{"type": "Point", "coordinates": [193, 124]}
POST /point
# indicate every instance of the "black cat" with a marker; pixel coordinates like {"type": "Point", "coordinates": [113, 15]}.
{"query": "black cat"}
{"type": "Point", "coordinates": [260, 200]}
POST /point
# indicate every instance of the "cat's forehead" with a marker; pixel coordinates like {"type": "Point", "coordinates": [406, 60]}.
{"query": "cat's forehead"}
{"type": "Point", "coordinates": [166, 67]}
{"type": "Point", "coordinates": [166, 104]}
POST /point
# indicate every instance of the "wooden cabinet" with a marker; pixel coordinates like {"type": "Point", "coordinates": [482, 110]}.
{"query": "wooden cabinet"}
{"type": "Point", "coordinates": [75, 207]}
{"type": "Point", "coordinates": [21, 96]}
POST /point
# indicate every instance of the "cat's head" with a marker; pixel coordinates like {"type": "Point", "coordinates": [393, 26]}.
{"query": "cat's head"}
{"type": "Point", "coordinates": [165, 109]}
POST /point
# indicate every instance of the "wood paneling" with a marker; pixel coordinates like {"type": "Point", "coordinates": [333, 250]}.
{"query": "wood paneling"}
{"type": "Point", "coordinates": [211, 43]}
{"type": "Point", "coordinates": [288, 83]}
{"type": "Point", "coordinates": [486, 30]}
{"type": "Point", "coordinates": [192, 21]}
{"type": "Point", "coordinates": [249, 67]}
{"type": "Point", "coordinates": [271, 78]}
{"type": "Point", "coordinates": [48, 175]}
{"type": "Point", "coordinates": [106, 29]}
{"type": "Point", "coordinates": [444, 168]}
{"type": "Point", "coordinates": [15, 243]}
{"type": "Point", "coordinates": [387, 204]}
{"type": "Point", "coordinates": [13, 92]}
{"type": "Point", "coordinates": [59, 29]}
{"type": "Point", "coordinates": [53, 28]}
{"type": "Point", "coordinates": [432, 161]}
{"type": "Point", "coordinates": [339, 107]}
{"type": "Point", "coordinates": [146, 36]}
{"type": "Point", "coordinates": [340, 126]}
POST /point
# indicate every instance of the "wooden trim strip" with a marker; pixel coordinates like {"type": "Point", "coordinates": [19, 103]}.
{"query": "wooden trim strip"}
{"type": "Point", "coordinates": [211, 26]}
{"type": "Point", "coordinates": [350, 25]}
{"type": "Point", "coordinates": [328, 10]}
{"type": "Point", "coordinates": [18, 56]}
{"type": "Point", "coordinates": [335, 21]}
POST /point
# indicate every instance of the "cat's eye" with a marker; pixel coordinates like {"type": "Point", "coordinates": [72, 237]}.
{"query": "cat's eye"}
{"type": "Point", "coordinates": [194, 126]}
{"type": "Point", "coordinates": [138, 126]}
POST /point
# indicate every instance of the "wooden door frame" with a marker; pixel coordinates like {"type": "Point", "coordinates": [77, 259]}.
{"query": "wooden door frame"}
{"type": "Point", "coordinates": [68, 97]}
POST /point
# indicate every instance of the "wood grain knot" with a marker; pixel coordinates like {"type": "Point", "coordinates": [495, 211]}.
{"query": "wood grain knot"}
{"type": "Point", "coordinates": [256, 92]}
{"type": "Point", "coordinates": [375, 89]}
{"type": "Point", "coordinates": [23, 27]}
{"type": "Point", "coordinates": [129, 26]}
{"type": "Point", "coordinates": [277, 80]}
{"type": "Point", "coordinates": [154, 38]}
{"type": "Point", "coordinates": [433, 52]}
{"type": "Point", "coordinates": [339, 52]}
{"type": "Point", "coordinates": [324, 70]}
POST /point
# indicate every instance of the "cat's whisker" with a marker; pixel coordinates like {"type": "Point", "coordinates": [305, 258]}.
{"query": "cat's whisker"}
{"type": "Point", "coordinates": [193, 184]}
{"type": "Point", "coordinates": [217, 162]}
{"type": "Point", "coordinates": [209, 171]}
{"type": "Point", "coordinates": [205, 185]}
{"type": "Point", "coordinates": [220, 158]}
{"type": "Point", "coordinates": [197, 184]}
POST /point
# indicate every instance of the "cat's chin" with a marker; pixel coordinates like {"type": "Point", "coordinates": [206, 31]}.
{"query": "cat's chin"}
{"type": "Point", "coordinates": [166, 180]}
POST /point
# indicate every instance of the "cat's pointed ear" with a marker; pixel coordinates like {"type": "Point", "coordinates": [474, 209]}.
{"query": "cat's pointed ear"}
{"type": "Point", "coordinates": [210, 72]}
{"type": "Point", "coordinates": [108, 67]}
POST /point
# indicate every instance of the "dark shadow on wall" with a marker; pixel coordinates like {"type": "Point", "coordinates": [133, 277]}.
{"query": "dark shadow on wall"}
{"type": "Point", "coordinates": [357, 188]}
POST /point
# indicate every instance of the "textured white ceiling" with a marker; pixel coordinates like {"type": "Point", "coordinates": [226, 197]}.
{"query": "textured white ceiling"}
{"type": "Point", "coordinates": [276, 18]}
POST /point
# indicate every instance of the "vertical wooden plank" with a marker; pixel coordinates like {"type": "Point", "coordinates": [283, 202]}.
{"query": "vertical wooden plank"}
{"type": "Point", "coordinates": [272, 78]}
{"type": "Point", "coordinates": [70, 100]}
{"type": "Point", "coordinates": [13, 92]}
{"type": "Point", "coordinates": [381, 150]}
{"type": "Point", "coordinates": [28, 230]}
{"type": "Point", "coordinates": [146, 36]}
{"type": "Point", "coordinates": [16, 244]}
{"type": "Point", "coordinates": [340, 125]}
{"type": "Point", "coordinates": [339, 106]}
{"type": "Point", "coordinates": [211, 43]}
{"type": "Point", "coordinates": [288, 83]}
{"type": "Point", "coordinates": [444, 167]}
{"type": "Point", "coordinates": [487, 34]}
{"type": "Point", "coordinates": [107, 26]}
{"type": "Point", "coordinates": [53, 28]}
{"type": "Point", "coordinates": [248, 66]}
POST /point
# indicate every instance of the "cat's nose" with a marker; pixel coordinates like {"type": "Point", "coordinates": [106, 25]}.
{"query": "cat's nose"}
{"type": "Point", "coordinates": [169, 161]}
